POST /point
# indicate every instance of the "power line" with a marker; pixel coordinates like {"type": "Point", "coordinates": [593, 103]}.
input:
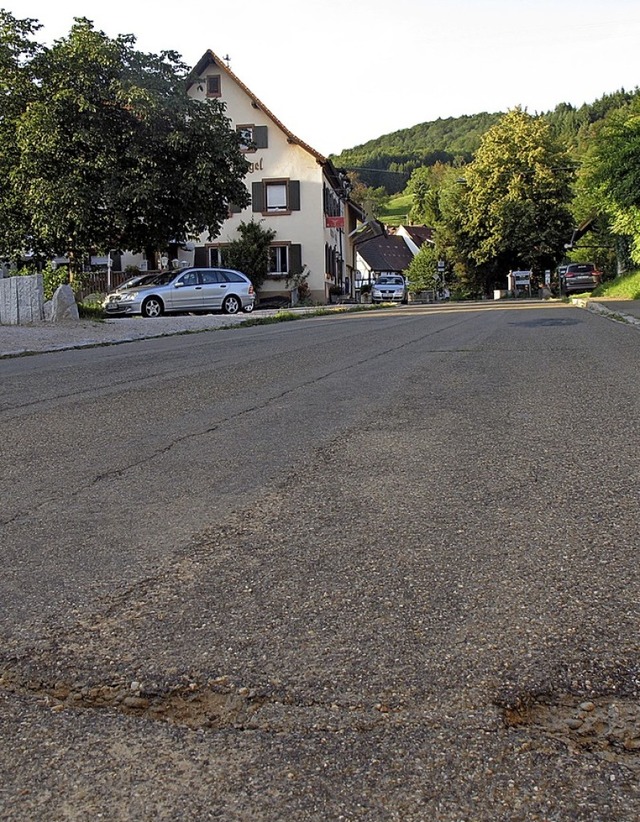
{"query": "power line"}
{"type": "Point", "coordinates": [378, 170]}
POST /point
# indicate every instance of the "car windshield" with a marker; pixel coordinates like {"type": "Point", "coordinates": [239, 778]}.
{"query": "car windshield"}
{"type": "Point", "coordinates": [389, 281]}
{"type": "Point", "coordinates": [144, 280]}
{"type": "Point", "coordinates": [163, 279]}
{"type": "Point", "coordinates": [136, 281]}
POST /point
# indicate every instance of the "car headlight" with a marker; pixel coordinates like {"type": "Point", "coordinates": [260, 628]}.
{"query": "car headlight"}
{"type": "Point", "coordinates": [376, 292]}
{"type": "Point", "coordinates": [129, 297]}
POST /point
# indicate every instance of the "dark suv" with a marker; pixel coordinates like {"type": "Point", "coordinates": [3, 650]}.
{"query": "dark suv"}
{"type": "Point", "coordinates": [579, 277]}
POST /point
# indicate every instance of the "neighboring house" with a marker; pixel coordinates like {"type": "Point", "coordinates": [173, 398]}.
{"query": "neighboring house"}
{"type": "Point", "coordinates": [378, 251]}
{"type": "Point", "coordinates": [295, 191]}
{"type": "Point", "coordinates": [415, 236]}
{"type": "Point", "coordinates": [387, 254]}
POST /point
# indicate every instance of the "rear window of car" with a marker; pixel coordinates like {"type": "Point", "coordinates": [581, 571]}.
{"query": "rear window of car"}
{"type": "Point", "coordinates": [233, 277]}
{"type": "Point", "coordinates": [581, 268]}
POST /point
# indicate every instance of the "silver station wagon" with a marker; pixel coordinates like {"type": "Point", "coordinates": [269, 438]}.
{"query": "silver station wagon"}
{"type": "Point", "coordinates": [190, 289]}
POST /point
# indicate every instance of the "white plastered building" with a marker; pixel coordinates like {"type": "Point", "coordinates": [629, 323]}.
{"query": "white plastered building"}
{"type": "Point", "coordinates": [295, 191]}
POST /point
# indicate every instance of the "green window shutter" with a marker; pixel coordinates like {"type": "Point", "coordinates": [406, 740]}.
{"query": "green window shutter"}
{"type": "Point", "coordinates": [294, 195]}
{"type": "Point", "coordinates": [201, 257]}
{"type": "Point", "coordinates": [260, 137]}
{"type": "Point", "coordinates": [295, 259]}
{"type": "Point", "coordinates": [257, 197]}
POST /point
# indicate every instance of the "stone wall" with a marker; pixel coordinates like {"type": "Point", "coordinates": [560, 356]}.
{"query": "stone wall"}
{"type": "Point", "coordinates": [21, 300]}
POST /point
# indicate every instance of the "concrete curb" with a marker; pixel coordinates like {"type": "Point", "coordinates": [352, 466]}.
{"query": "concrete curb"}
{"type": "Point", "coordinates": [598, 308]}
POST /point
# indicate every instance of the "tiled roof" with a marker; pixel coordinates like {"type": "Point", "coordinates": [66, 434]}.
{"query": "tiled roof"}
{"type": "Point", "coordinates": [388, 253]}
{"type": "Point", "coordinates": [210, 57]}
{"type": "Point", "coordinates": [419, 233]}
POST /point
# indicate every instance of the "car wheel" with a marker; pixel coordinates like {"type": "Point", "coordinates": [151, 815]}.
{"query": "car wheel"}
{"type": "Point", "coordinates": [152, 307]}
{"type": "Point", "coordinates": [248, 308]}
{"type": "Point", "coordinates": [231, 304]}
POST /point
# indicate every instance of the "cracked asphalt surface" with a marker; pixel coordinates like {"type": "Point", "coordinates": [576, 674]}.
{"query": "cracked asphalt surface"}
{"type": "Point", "coordinates": [377, 566]}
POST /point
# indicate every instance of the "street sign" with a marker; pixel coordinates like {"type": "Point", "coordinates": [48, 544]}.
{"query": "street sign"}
{"type": "Point", "coordinates": [440, 265]}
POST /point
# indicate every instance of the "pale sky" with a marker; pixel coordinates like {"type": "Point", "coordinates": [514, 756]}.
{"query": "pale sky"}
{"type": "Point", "coordinates": [338, 73]}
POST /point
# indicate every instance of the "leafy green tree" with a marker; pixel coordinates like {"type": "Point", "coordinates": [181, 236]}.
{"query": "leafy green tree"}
{"type": "Point", "coordinates": [250, 253]}
{"type": "Point", "coordinates": [425, 186]}
{"type": "Point", "coordinates": [17, 91]}
{"type": "Point", "coordinates": [422, 274]}
{"type": "Point", "coordinates": [598, 243]}
{"type": "Point", "coordinates": [515, 209]}
{"type": "Point", "coordinates": [113, 152]}
{"type": "Point", "coordinates": [372, 200]}
{"type": "Point", "coordinates": [611, 179]}
{"type": "Point", "coordinates": [424, 203]}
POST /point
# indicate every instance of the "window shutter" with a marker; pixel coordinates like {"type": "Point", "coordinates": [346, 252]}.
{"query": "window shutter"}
{"type": "Point", "coordinates": [295, 259]}
{"type": "Point", "coordinates": [201, 257]}
{"type": "Point", "coordinates": [234, 209]}
{"type": "Point", "coordinates": [260, 137]}
{"type": "Point", "coordinates": [294, 195]}
{"type": "Point", "coordinates": [116, 262]}
{"type": "Point", "coordinates": [257, 197]}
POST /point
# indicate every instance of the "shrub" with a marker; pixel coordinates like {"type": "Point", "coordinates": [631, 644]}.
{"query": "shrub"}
{"type": "Point", "coordinates": [52, 277]}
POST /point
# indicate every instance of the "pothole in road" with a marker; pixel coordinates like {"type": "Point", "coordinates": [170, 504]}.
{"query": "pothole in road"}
{"type": "Point", "coordinates": [607, 726]}
{"type": "Point", "coordinates": [189, 705]}
{"type": "Point", "coordinates": [214, 705]}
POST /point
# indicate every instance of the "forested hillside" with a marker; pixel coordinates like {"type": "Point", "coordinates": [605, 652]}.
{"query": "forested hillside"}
{"type": "Point", "coordinates": [389, 160]}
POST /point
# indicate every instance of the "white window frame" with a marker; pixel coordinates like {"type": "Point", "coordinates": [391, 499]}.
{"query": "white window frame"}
{"type": "Point", "coordinates": [276, 196]}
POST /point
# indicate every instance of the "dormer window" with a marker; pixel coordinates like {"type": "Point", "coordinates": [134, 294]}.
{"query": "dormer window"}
{"type": "Point", "coordinates": [213, 85]}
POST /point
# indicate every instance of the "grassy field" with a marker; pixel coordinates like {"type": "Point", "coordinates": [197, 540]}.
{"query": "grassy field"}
{"type": "Point", "coordinates": [626, 287]}
{"type": "Point", "coordinates": [397, 210]}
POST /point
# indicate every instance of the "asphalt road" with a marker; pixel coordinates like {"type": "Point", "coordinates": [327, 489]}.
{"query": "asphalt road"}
{"type": "Point", "coordinates": [379, 566]}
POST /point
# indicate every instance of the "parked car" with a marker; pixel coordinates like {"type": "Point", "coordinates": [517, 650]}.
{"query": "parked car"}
{"type": "Point", "coordinates": [576, 277]}
{"type": "Point", "coordinates": [190, 289]}
{"type": "Point", "coordinates": [389, 288]}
